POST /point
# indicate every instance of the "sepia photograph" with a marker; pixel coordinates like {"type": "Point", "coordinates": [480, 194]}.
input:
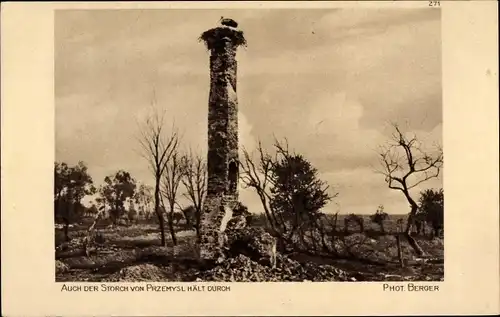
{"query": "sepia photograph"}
{"type": "Point", "coordinates": [274, 158]}
{"type": "Point", "coordinates": [250, 145]}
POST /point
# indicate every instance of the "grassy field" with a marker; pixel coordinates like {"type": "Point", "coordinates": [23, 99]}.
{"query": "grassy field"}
{"type": "Point", "coordinates": [134, 253]}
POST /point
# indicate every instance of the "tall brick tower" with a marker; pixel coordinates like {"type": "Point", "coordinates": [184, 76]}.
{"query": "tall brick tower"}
{"type": "Point", "coordinates": [222, 159]}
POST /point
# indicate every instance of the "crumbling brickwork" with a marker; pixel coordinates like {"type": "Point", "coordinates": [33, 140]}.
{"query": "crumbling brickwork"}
{"type": "Point", "coordinates": [222, 158]}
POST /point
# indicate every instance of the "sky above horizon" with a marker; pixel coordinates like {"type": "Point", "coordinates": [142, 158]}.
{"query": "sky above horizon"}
{"type": "Point", "coordinates": [330, 81]}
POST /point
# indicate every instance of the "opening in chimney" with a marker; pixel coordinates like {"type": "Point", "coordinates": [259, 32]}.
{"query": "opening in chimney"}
{"type": "Point", "coordinates": [232, 177]}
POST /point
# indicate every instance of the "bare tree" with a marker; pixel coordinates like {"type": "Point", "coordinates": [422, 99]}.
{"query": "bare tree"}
{"type": "Point", "coordinates": [158, 148]}
{"type": "Point", "coordinates": [256, 174]}
{"type": "Point", "coordinates": [172, 177]}
{"type": "Point", "coordinates": [195, 183]}
{"type": "Point", "coordinates": [291, 203]}
{"type": "Point", "coordinates": [87, 242]}
{"type": "Point", "coordinates": [405, 165]}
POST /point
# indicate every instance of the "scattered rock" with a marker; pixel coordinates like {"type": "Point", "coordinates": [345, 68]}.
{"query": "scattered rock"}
{"type": "Point", "coordinates": [243, 269]}
{"type": "Point", "coordinates": [139, 273]}
{"type": "Point", "coordinates": [61, 267]}
{"type": "Point", "coordinates": [255, 243]}
{"type": "Point", "coordinates": [250, 255]}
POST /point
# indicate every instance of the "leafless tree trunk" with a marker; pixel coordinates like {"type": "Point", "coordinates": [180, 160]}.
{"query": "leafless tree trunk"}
{"type": "Point", "coordinates": [195, 182]}
{"type": "Point", "coordinates": [171, 181]}
{"type": "Point", "coordinates": [257, 175]}
{"type": "Point", "coordinates": [406, 165]}
{"type": "Point", "coordinates": [87, 240]}
{"type": "Point", "coordinates": [400, 252]}
{"type": "Point", "coordinates": [334, 222]}
{"type": "Point", "coordinates": [381, 224]}
{"type": "Point", "coordinates": [157, 149]}
{"type": "Point", "coordinates": [320, 226]}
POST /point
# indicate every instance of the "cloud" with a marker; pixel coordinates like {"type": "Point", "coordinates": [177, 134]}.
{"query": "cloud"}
{"type": "Point", "coordinates": [335, 128]}
{"type": "Point", "coordinates": [328, 80]}
{"type": "Point", "coordinates": [246, 139]}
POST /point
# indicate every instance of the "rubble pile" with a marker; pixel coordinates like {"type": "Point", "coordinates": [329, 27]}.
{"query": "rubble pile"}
{"type": "Point", "coordinates": [61, 267]}
{"type": "Point", "coordinates": [254, 243]}
{"type": "Point", "coordinates": [139, 273]}
{"type": "Point", "coordinates": [243, 269]}
{"type": "Point", "coordinates": [75, 243]}
{"type": "Point", "coordinates": [251, 256]}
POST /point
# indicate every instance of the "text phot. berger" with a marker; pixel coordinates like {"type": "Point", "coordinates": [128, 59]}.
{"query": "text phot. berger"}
{"type": "Point", "coordinates": [310, 153]}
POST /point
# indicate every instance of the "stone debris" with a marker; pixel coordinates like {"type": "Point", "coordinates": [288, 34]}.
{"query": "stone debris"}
{"type": "Point", "coordinates": [255, 243]}
{"type": "Point", "coordinates": [237, 222]}
{"type": "Point", "coordinates": [250, 255]}
{"type": "Point", "coordinates": [243, 269]}
{"type": "Point", "coordinates": [61, 267]}
{"type": "Point", "coordinates": [139, 273]}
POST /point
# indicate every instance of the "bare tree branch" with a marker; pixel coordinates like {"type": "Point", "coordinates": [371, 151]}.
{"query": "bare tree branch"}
{"type": "Point", "coordinates": [258, 178]}
{"type": "Point", "coordinates": [173, 172]}
{"type": "Point", "coordinates": [416, 163]}
{"type": "Point", "coordinates": [195, 183]}
{"type": "Point", "coordinates": [157, 147]}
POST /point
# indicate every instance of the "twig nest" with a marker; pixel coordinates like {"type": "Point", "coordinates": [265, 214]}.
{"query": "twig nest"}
{"type": "Point", "coordinates": [213, 38]}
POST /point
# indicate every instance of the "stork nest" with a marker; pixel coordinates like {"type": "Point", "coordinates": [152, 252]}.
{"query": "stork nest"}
{"type": "Point", "coordinates": [213, 36]}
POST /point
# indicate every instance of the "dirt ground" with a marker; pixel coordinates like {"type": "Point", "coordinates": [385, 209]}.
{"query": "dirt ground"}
{"type": "Point", "coordinates": [134, 253]}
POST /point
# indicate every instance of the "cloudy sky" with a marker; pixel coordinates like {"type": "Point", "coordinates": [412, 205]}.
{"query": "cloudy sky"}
{"type": "Point", "coordinates": [329, 81]}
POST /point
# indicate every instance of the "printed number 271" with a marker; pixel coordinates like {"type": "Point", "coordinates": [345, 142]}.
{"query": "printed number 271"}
{"type": "Point", "coordinates": [434, 4]}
